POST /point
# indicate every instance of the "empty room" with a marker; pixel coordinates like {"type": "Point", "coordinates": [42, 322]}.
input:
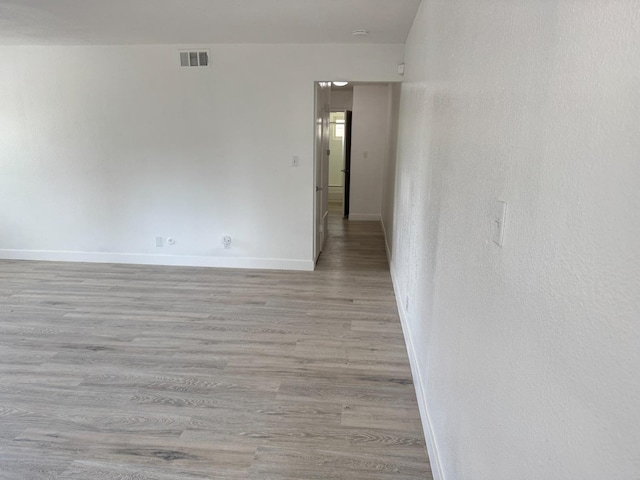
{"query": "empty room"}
{"type": "Point", "coordinates": [296, 240]}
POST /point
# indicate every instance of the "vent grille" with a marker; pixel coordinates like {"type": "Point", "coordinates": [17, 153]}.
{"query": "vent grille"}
{"type": "Point", "coordinates": [194, 59]}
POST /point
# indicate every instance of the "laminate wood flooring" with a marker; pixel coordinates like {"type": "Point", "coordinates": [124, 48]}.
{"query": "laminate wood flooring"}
{"type": "Point", "coordinates": [144, 372]}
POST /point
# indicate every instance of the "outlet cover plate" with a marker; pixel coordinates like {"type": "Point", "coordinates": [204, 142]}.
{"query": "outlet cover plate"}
{"type": "Point", "coordinates": [498, 222]}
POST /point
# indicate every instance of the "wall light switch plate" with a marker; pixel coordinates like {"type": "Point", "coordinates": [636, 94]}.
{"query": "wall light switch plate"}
{"type": "Point", "coordinates": [295, 161]}
{"type": "Point", "coordinates": [498, 222]}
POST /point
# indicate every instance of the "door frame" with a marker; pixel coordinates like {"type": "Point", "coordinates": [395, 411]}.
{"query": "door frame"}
{"type": "Point", "coordinates": [322, 109]}
{"type": "Point", "coordinates": [346, 158]}
{"type": "Point", "coordinates": [348, 130]}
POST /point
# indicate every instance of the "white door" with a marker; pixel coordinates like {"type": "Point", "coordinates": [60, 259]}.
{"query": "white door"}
{"type": "Point", "coordinates": [321, 181]}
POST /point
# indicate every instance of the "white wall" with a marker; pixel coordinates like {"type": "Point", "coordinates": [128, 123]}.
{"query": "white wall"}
{"type": "Point", "coordinates": [104, 148]}
{"type": "Point", "coordinates": [336, 159]}
{"type": "Point", "coordinates": [341, 99]}
{"type": "Point", "coordinates": [390, 166]}
{"type": "Point", "coordinates": [527, 357]}
{"type": "Point", "coordinates": [369, 150]}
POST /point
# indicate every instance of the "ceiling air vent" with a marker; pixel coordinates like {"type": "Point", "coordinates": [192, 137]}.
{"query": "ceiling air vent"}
{"type": "Point", "coordinates": [194, 59]}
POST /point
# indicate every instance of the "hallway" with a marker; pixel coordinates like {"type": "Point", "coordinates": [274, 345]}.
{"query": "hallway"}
{"type": "Point", "coordinates": [140, 372]}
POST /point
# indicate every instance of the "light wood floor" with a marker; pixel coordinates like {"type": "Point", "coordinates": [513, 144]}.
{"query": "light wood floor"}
{"type": "Point", "coordinates": [140, 373]}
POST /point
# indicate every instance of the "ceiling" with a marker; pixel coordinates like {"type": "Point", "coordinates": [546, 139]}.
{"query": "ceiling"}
{"type": "Point", "coordinates": [117, 22]}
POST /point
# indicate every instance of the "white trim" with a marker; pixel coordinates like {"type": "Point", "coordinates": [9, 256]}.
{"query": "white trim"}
{"type": "Point", "coordinates": [167, 260]}
{"type": "Point", "coordinates": [386, 244]}
{"type": "Point", "coordinates": [336, 194]}
{"type": "Point", "coordinates": [365, 217]}
{"type": "Point", "coordinates": [427, 426]}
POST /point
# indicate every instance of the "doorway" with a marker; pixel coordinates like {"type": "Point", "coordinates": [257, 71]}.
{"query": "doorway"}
{"type": "Point", "coordinates": [340, 161]}
{"type": "Point", "coordinates": [322, 111]}
{"type": "Point", "coordinates": [352, 154]}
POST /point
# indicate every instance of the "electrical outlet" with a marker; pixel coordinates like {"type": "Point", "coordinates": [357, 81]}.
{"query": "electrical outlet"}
{"type": "Point", "coordinates": [226, 241]}
{"type": "Point", "coordinates": [295, 161]}
{"type": "Point", "coordinates": [159, 242]}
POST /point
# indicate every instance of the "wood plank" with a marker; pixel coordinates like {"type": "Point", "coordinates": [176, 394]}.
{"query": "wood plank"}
{"type": "Point", "coordinates": [165, 373]}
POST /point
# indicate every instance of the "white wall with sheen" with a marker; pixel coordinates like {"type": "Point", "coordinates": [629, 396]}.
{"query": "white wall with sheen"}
{"type": "Point", "coordinates": [390, 167]}
{"type": "Point", "coordinates": [104, 148]}
{"type": "Point", "coordinates": [526, 356]}
{"type": "Point", "coordinates": [341, 98]}
{"type": "Point", "coordinates": [369, 150]}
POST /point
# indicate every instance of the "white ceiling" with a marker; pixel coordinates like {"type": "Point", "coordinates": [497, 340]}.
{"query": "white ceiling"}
{"type": "Point", "coordinates": [106, 22]}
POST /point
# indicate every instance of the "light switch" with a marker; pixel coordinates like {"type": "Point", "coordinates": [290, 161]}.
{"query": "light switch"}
{"type": "Point", "coordinates": [498, 222]}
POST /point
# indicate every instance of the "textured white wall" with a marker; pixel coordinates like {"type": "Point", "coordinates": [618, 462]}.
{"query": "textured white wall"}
{"type": "Point", "coordinates": [528, 356]}
{"type": "Point", "coordinates": [369, 150]}
{"type": "Point", "coordinates": [104, 148]}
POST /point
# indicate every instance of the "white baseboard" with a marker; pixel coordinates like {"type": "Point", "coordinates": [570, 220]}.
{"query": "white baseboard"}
{"type": "Point", "coordinates": [336, 194]}
{"type": "Point", "coordinates": [167, 260]}
{"type": "Point", "coordinates": [427, 427]}
{"type": "Point", "coordinates": [365, 217]}
{"type": "Point", "coordinates": [386, 245]}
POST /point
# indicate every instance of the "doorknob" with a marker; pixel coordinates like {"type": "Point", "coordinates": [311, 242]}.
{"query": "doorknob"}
{"type": "Point", "coordinates": [319, 189]}
{"type": "Point", "coordinates": [346, 171]}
